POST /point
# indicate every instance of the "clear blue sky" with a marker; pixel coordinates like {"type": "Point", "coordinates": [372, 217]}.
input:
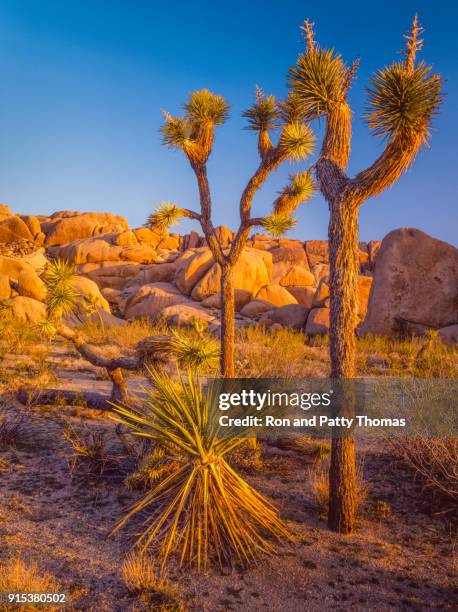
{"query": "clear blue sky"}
{"type": "Point", "coordinates": [83, 81]}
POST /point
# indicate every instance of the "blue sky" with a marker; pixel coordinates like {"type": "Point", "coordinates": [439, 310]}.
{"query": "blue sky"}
{"type": "Point", "coordinates": [82, 84]}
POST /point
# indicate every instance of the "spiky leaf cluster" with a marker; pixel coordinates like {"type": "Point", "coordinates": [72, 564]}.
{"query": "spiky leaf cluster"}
{"type": "Point", "coordinates": [403, 102]}
{"type": "Point", "coordinates": [165, 215]}
{"type": "Point", "coordinates": [300, 188]}
{"type": "Point", "coordinates": [62, 295]}
{"type": "Point", "coordinates": [319, 80]}
{"type": "Point", "coordinates": [263, 114]}
{"type": "Point", "coordinates": [195, 353]}
{"type": "Point", "coordinates": [277, 225]}
{"type": "Point", "coordinates": [176, 131]}
{"type": "Point", "coordinates": [297, 140]}
{"type": "Point", "coordinates": [203, 509]}
{"type": "Point", "coordinates": [205, 106]}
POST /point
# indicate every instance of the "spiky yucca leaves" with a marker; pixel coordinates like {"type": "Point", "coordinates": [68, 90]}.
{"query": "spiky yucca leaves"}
{"type": "Point", "coordinates": [300, 188]}
{"type": "Point", "coordinates": [204, 106]}
{"type": "Point", "coordinates": [203, 509]}
{"type": "Point", "coordinates": [319, 79]}
{"type": "Point", "coordinates": [277, 225]}
{"type": "Point", "coordinates": [165, 215]}
{"type": "Point", "coordinates": [196, 353]}
{"type": "Point", "coordinates": [59, 271]}
{"type": "Point", "coordinates": [297, 140]}
{"type": "Point", "coordinates": [176, 131]}
{"type": "Point", "coordinates": [62, 295]}
{"type": "Point", "coordinates": [263, 114]}
{"type": "Point", "coordinates": [403, 102]}
{"type": "Point", "coordinates": [193, 133]}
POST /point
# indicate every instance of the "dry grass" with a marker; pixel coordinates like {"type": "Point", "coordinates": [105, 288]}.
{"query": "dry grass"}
{"type": "Point", "coordinates": [143, 579]}
{"type": "Point", "coordinates": [434, 462]}
{"type": "Point", "coordinates": [18, 576]}
{"type": "Point", "coordinates": [319, 485]}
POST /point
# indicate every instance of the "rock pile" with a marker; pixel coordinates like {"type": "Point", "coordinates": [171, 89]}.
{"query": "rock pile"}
{"type": "Point", "coordinates": [279, 282]}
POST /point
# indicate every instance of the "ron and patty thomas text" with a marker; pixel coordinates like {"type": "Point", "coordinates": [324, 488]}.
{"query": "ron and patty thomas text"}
{"type": "Point", "coordinates": [304, 401]}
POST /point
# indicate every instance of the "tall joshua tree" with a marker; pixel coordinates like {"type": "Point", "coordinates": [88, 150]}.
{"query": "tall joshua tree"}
{"type": "Point", "coordinates": [403, 98]}
{"type": "Point", "coordinates": [193, 134]}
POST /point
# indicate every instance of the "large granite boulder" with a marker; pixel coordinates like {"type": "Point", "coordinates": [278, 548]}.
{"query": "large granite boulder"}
{"type": "Point", "coordinates": [415, 284]}
{"type": "Point", "coordinates": [26, 309]}
{"type": "Point", "coordinates": [13, 229]}
{"type": "Point", "coordinates": [67, 226]}
{"type": "Point", "coordinates": [252, 271]}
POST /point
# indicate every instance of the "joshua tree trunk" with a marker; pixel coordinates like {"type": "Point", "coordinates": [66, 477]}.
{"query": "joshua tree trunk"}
{"type": "Point", "coordinates": [227, 321]}
{"type": "Point", "coordinates": [344, 266]}
{"type": "Point", "coordinates": [119, 394]}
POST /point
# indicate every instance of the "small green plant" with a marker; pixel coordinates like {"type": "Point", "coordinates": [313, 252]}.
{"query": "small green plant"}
{"type": "Point", "coordinates": [203, 507]}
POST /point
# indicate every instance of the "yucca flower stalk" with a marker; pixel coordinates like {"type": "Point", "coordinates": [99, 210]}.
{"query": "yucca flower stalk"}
{"type": "Point", "coordinates": [204, 510]}
{"type": "Point", "coordinates": [403, 99]}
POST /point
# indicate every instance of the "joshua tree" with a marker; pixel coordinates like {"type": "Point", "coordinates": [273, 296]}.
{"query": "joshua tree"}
{"type": "Point", "coordinates": [403, 98]}
{"type": "Point", "coordinates": [193, 134]}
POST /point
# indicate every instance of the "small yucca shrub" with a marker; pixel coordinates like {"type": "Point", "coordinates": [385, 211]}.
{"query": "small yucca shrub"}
{"type": "Point", "coordinates": [203, 508]}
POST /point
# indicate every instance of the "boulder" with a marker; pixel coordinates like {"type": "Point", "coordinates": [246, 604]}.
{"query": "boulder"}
{"type": "Point", "coordinates": [255, 308]}
{"type": "Point", "coordinates": [26, 309]}
{"type": "Point", "coordinates": [154, 273]}
{"type": "Point", "coordinates": [276, 295]}
{"type": "Point", "coordinates": [13, 229]}
{"type": "Point", "coordinates": [191, 267]}
{"type": "Point", "coordinates": [319, 271]}
{"type": "Point", "coordinates": [29, 284]}
{"type": "Point", "coordinates": [449, 334]}
{"type": "Point", "coordinates": [317, 252]}
{"type": "Point", "coordinates": [415, 284]}
{"type": "Point", "coordinates": [5, 210]}
{"type": "Point", "coordinates": [5, 287]}
{"type": "Point", "coordinates": [37, 260]}
{"type": "Point", "coordinates": [291, 253]}
{"type": "Point", "coordinates": [13, 267]}
{"type": "Point", "coordinates": [241, 296]}
{"type": "Point", "coordinates": [68, 226]}
{"type": "Point", "coordinates": [317, 322]}
{"type": "Point", "coordinates": [364, 290]}
{"type": "Point", "coordinates": [33, 224]}
{"type": "Point", "coordinates": [105, 248]}
{"type": "Point", "coordinates": [149, 236]}
{"type": "Point", "coordinates": [373, 248]}
{"type": "Point", "coordinates": [89, 290]}
{"type": "Point", "coordinates": [113, 274]}
{"type": "Point", "coordinates": [150, 300]}
{"type": "Point", "coordinates": [321, 294]}
{"type": "Point", "coordinates": [304, 295]}
{"type": "Point", "coordinates": [297, 276]}
{"type": "Point", "coordinates": [293, 316]}
{"type": "Point", "coordinates": [224, 235]}
{"type": "Point", "coordinates": [251, 272]}
{"type": "Point", "coordinates": [112, 296]}
{"type": "Point", "coordinates": [99, 317]}
{"type": "Point", "coordinates": [185, 314]}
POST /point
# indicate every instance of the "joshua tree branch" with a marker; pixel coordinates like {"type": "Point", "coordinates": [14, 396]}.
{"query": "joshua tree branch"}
{"type": "Point", "coordinates": [385, 171]}
{"type": "Point", "coordinates": [337, 138]}
{"type": "Point", "coordinates": [190, 214]}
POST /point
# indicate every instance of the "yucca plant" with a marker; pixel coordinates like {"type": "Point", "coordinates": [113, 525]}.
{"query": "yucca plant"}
{"type": "Point", "coordinates": [193, 133]}
{"type": "Point", "coordinates": [203, 510]}
{"type": "Point", "coordinates": [403, 98]}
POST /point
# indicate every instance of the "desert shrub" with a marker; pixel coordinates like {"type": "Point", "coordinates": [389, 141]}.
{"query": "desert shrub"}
{"type": "Point", "coordinates": [203, 507]}
{"type": "Point", "coordinates": [11, 426]}
{"type": "Point", "coordinates": [319, 486]}
{"type": "Point", "coordinates": [87, 447]}
{"type": "Point", "coordinates": [434, 462]}
{"type": "Point", "coordinates": [18, 576]}
{"type": "Point", "coordinates": [141, 577]}
{"type": "Point", "coordinates": [152, 467]}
